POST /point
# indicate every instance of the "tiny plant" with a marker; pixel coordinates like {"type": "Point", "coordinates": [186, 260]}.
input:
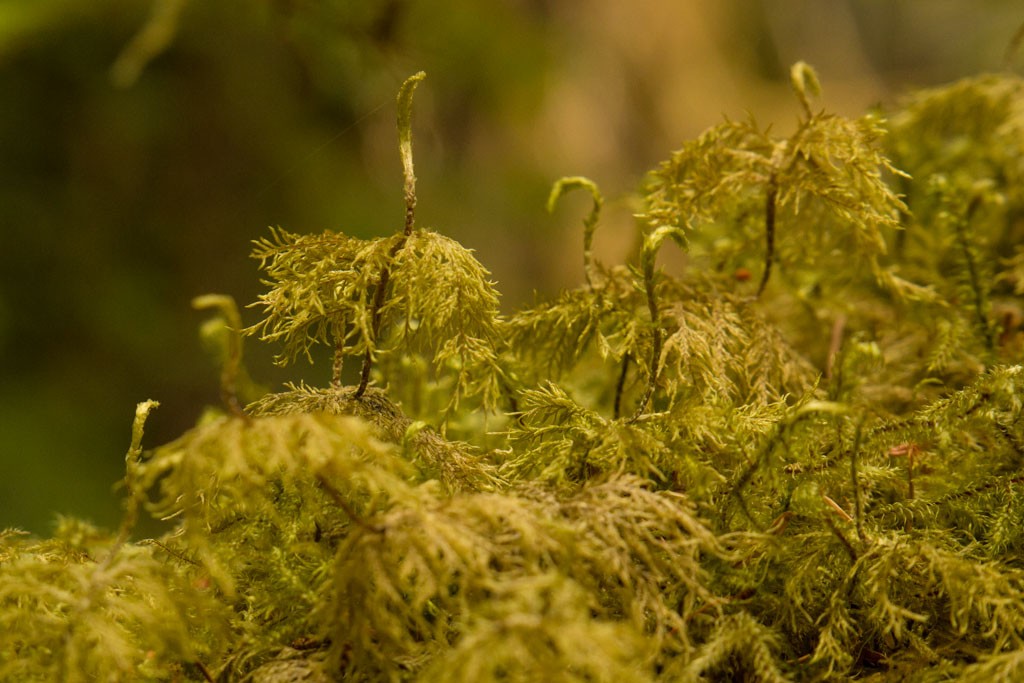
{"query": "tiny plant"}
{"type": "Point", "coordinates": [813, 473]}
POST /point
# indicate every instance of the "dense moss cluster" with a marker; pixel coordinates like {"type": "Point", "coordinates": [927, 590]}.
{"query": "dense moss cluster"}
{"type": "Point", "coordinates": [797, 458]}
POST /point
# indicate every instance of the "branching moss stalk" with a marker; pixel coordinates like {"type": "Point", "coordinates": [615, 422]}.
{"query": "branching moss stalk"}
{"type": "Point", "coordinates": [858, 496]}
{"type": "Point", "coordinates": [207, 675]}
{"type": "Point", "coordinates": [850, 550]}
{"type": "Point", "coordinates": [961, 225]}
{"type": "Point", "coordinates": [409, 190]}
{"type": "Point", "coordinates": [510, 395]}
{"type": "Point", "coordinates": [771, 194]}
{"type": "Point", "coordinates": [379, 295]}
{"type": "Point", "coordinates": [349, 511]}
{"type": "Point", "coordinates": [648, 261]}
{"type": "Point", "coordinates": [835, 345]}
{"type": "Point", "coordinates": [184, 559]}
{"type": "Point", "coordinates": [1014, 442]}
{"type": "Point", "coordinates": [910, 472]}
{"type": "Point", "coordinates": [656, 339]}
{"type": "Point", "coordinates": [620, 386]}
{"type": "Point", "coordinates": [339, 358]}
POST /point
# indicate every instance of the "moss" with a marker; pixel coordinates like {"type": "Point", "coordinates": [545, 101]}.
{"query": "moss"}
{"type": "Point", "coordinates": [812, 474]}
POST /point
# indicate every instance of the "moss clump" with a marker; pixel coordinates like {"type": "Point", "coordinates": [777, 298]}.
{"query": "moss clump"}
{"type": "Point", "coordinates": [809, 474]}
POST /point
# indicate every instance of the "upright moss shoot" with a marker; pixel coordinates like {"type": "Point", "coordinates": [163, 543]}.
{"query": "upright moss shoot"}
{"type": "Point", "coordinates": [681, 474]}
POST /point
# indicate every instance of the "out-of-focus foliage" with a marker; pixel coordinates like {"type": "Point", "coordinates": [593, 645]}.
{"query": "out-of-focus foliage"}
{"type": "Point", "coordinates": [701, 476]}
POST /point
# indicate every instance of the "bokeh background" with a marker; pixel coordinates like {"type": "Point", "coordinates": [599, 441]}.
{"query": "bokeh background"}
{"type": "Point", "coordinates": [145, 143]}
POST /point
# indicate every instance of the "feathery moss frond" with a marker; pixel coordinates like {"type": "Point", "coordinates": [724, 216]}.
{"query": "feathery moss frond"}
{"type": "Point", "coordinates": [345, 293]}
{"type": "Point", "coordinates": [739, 649]}
{"type": "Point", "coordinates": [458, 466]}
{"type": "Point", "coordinates": [320, 289]}
{"type": "Point", "coordinates": [67, 616]}
{"type": "Point", "coordinates": [405, 593]}
{"type": "Point", "coordinates": [442, 305]}
{"type": "Point", "coordinates": [541, 628]}
{"type": "Point", "coordinates": [812, 197]}
{"type": "Point", "coordinates": [231, 470]}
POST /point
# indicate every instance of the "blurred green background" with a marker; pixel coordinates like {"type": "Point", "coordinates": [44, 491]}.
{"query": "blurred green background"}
{"type": "Point", "coordinates": [145, 144]}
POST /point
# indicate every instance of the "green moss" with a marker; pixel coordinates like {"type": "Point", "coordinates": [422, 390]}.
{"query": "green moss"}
{"type": "Point", "coordinates": [810, 474]}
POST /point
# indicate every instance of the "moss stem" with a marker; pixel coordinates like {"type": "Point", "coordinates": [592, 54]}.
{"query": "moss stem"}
{"type": "Point", "coordinates": [771, 193]}
{"type": "Point", "coordinates": [409, 190]}
{"type": "Point", "coordinates": [656, 340]}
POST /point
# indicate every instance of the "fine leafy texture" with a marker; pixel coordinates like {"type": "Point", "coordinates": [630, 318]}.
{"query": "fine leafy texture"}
{"type": "Point", "coordinates": [796, 457]}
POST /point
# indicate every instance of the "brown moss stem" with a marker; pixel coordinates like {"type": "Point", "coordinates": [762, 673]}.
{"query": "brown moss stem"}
{"type": "Point", "coordinates": [771, 193]}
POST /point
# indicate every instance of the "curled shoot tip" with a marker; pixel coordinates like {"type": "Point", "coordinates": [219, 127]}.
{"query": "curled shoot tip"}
{"type": "Point", "coordinates": [653, 240]}
{"type": "Point", "coordinates": [648, 257]}
{"type": "Point", "coordinates": [233, 352]}
{"type": "Point", "coordinates": [135, 492]}
{"type": "Point", "coordinates": [564, 185]}
{"type": "Point", "coordinates": [804, 80]}
{"type": "Point", "coordinates": [225, 303]}
{"type": "Point", "coordinates": [405, 94]}
{"type": "Point", "coordinates": [229, 311]}
{"type": "Point", "coordinates": [142, 411]}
